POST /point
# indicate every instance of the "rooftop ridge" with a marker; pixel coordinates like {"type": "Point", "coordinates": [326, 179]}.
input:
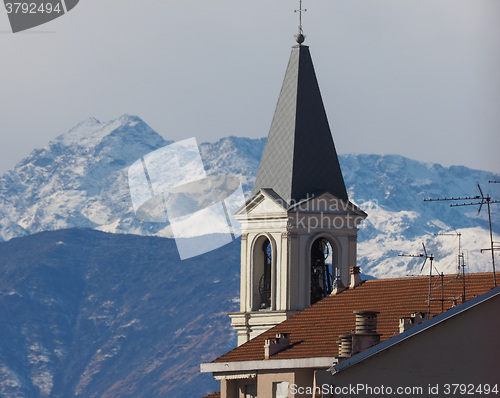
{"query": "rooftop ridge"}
{"type": "Point", "coordinates": [425, 276]}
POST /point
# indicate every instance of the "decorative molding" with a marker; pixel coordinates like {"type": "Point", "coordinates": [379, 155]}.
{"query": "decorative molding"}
{"type": "Point", "coordinates": [289, 234]}
{"type": "Point", "coordinates": [269, 364]}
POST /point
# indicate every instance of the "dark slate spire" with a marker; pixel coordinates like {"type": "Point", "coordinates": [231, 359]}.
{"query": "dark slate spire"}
{"type": "Point", "coordinates": [299, 158]}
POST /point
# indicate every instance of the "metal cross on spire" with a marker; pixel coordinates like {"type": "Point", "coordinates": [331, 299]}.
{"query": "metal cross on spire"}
{"type": "Point", "coordinates": [300, 36]}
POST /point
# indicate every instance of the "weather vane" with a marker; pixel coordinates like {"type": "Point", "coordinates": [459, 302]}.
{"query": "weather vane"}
{"type": "Point", "coordinates": [300, 36]}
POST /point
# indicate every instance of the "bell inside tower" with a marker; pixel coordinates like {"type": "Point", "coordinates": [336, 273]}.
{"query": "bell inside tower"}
{"type": "Point", "coordinates": [323, 270]}
{"type": "Point", "coordinates": [265, 279]}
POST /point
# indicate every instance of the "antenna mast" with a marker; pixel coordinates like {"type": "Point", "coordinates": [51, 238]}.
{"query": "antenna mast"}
{"type": "Point", "coordinates": [430, 257]}
{"type": "Point", "coordinates": [478, 200]}
{"type": "Point", "coordinates": [492, 248]}
{"type": "Point", "coordinates": [460, 259]}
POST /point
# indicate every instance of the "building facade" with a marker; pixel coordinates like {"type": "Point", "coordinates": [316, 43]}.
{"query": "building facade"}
{"type": "Point", "coordinates": [306, 318]}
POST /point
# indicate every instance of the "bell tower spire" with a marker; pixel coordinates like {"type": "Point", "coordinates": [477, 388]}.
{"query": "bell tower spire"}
{"type": "Point", "coordinates": [299, 157]}
{"type": "Point", "coordinates": [299, 227]}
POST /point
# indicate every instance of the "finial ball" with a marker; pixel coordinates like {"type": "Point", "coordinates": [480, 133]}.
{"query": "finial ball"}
{"type": "Point", "coordinates": [300, 38]}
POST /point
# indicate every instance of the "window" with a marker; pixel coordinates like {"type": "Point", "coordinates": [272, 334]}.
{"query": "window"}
{"type": "Point", "coordinates": [251, 391]}
{"type": "Point", "coordinates": [280, 389]}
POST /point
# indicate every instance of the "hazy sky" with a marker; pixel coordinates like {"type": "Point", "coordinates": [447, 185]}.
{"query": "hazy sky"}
{"type": "Point", "coordinates": [420, 78]}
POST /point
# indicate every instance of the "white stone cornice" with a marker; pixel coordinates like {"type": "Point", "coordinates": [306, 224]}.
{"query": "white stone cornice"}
{"type": "Point", "coordinates": [268, 364]}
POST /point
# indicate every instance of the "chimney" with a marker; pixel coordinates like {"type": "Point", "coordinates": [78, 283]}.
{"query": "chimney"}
{"type": "Point", "coordinates": [277, 344]}
{"type": "Point", "coordinates": [366, 322]}
{"type": "Point", "coordinates": [355, 277]}
{"type": "Point", "coordinates": [345, 346]}
{"type": "Point", "coordinates": [338, 286]}
{"type": "Point", "coordinates": [415, 319]}
{"type": "Point", "coordinates": [365, 334]}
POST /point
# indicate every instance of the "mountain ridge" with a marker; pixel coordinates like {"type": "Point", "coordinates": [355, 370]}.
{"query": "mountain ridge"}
{"type": "Point", "coordinates": [80, 180]}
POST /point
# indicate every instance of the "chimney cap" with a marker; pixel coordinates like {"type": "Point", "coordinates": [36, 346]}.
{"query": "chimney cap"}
{"type": "Point", "coordinates": [366, 312]}
{"type": "Point", "coordinates": [354, 270]}
{"type": "Point", "coordinates": [273, 345]}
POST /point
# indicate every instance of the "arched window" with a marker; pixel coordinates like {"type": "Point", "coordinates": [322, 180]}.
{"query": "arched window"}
{"type": "Point", "coordinates": [323, 271]}
{"type": "Point", "coordinates": [265, 279]}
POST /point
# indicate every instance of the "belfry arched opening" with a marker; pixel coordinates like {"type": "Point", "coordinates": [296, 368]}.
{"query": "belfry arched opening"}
{"type": "Point", "coordinates": [324, 271]}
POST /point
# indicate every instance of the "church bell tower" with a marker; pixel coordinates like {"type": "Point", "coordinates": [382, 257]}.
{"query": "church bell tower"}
{"type": "Point", "coordinates": [299, 227]}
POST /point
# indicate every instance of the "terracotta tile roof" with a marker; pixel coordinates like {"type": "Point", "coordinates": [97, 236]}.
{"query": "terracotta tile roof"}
{"type": "Point", "coordinates": [315, 330]}
{"type": "Point", "coordinates": [213, 395]}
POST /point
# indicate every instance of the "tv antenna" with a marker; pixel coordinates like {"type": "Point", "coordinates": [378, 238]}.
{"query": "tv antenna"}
{"type": "Point", "coordinates": [492, 248]}
{"type": "Point", "coordinates": [426, 257]}
{"type": "Point", "coordinates": [460, 258]}
{"type": "Point", "coordinates": [478, 200]}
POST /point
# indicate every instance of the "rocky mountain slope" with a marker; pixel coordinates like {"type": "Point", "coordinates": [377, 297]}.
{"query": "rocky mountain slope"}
{"type": "Point", "coordinates": [91, 314]}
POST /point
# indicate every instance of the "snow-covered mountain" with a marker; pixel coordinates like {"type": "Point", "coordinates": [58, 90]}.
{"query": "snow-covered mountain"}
{"type": "Point", "coordinates": [392, 189]}
{"type": "Point", "coordinates": [77, 180]}
{"type": "Point", "coordinates": [80, 180]}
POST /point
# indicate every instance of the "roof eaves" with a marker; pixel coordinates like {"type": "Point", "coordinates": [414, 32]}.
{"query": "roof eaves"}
{"type": "Point", "coordinates": [348, 205]}
{"type": "Point", "coordinates": [274, 196]}
{"type": "Point", "coordinates": [250, 203]}
{"type": "Point", "coordinates": [257, 198]}
{"type": "Point", "coordinates": [301, 202]}
{"type": "Point", "coordinates": [268, 364]}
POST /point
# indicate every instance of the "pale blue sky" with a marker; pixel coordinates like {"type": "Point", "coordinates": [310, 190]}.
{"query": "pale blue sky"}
{"type": "Point", "coordinates": [420, 78]}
